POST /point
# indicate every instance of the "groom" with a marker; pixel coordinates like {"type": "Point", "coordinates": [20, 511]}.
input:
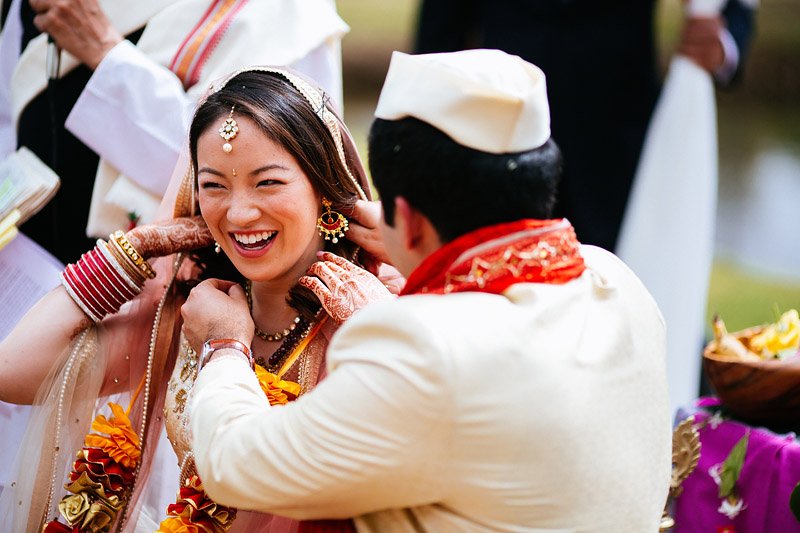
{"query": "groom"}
{"type": "Point", "coordinates": [516, 384]}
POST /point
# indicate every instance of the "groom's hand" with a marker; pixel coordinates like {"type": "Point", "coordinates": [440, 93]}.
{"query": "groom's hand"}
{"type": "Point", "coordinates": [217, 309]}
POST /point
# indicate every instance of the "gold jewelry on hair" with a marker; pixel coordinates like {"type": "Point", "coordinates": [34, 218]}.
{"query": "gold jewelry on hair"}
{"type": "Point", "coordinates": [118, 237]}
{"type": "Point", "coordinates": [269, 337]}
{"type": "Point", "coordinates": [332, 224]}
{"type": "Point", "coordinates": [318, 102]}
{"type": "Point", "coordinates": [228, 131]}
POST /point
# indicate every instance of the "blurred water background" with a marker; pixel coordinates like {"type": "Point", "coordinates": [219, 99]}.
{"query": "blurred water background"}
{"type": "Point", "coordinates": [757, 266]}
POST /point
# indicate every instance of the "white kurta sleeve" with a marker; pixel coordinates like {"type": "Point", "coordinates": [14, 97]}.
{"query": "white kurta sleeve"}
{"type": "Point", "coordinates": [361, 441]}
{"type": "Point", "coordinates": [135, 114]}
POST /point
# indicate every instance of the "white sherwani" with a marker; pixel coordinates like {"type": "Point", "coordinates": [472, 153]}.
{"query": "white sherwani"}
{"type": "Point", "coordinates": [542, 409]}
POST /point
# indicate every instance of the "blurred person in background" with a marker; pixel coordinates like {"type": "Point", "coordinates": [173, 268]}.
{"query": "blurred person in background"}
{"type": "Point", "coordinates": [609, 44]}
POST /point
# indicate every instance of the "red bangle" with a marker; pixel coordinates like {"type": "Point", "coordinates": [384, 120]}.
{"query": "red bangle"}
{"type": "Point", "coordinates": [98, 261]}
{"type": "Point", "coordinates": [96, 285]}
{"type": "Point", "coordinates": [76, 292]}
{"type": "Point", "coordinates": [96, 292]}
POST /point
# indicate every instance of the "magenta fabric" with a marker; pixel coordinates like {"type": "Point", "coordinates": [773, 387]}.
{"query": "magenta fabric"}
{"type": "Point", "coordinates": [770, 472]}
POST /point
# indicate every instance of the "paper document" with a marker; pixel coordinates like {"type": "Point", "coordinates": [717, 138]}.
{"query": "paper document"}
{"type": "Point", "coordinates": [27, 272]}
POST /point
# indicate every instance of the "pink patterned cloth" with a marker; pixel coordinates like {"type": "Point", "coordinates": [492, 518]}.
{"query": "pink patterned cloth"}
{"type": "Point", "coordinates": [770, 472]}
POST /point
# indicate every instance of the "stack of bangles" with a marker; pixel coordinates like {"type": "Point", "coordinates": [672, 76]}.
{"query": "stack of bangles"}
{"type": "Point", "coordinates": [106, 277]}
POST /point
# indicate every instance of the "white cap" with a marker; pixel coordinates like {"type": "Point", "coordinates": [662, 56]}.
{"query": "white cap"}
{"type": "Point", "coordinates": [483, 99]}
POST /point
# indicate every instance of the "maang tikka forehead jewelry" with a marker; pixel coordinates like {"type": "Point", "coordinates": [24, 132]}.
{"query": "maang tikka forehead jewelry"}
{"type": "Point", "coordinates": [228, 131]}
{"type": "Point", "coordinates": [332, 224]}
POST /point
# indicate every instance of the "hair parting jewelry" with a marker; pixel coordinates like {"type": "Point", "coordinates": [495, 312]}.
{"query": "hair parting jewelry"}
{"type": "Point", "coordinates": [228, 131]}
{"type": "Point", "coordinates": [332, 224]}
{"type": "Point", "coordinates": [317, 101]}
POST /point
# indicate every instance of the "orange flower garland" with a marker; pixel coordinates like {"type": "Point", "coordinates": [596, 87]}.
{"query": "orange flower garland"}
{"type": "Point", "coordinates": [104, 469]}
{"type": "Point", "coordinates": [194, 511]}
{"type": "Point", "coordinates": [278, 391]}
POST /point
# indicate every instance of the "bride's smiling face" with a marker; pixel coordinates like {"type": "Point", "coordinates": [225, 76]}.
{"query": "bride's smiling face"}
{"type": "Point", "coordinates": [258, 203]}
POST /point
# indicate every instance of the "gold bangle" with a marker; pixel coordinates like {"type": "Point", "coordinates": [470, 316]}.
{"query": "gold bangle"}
{"type": "Point", "coordinates": [121, 259]}
{"type": "Point", "coordinates": [135, 257]}
{"type": "Point", "coordinates": [133, 279]}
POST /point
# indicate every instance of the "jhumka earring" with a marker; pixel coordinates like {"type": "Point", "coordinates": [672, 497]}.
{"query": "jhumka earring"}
{"type": "Point", "coordinates": [228, 131]}
{"type": "Point", "coordinates": [332, 224]}
{"type": "Point", "coordinates": [217, 247]}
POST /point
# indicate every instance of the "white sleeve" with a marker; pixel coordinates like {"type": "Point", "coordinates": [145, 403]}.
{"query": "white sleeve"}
{"type": "Point", "coordinates": [372, 435]}
{"type": "Point", "coordinates": [10, 42]}
{"type": "Point", "coordinates": [135, 114]}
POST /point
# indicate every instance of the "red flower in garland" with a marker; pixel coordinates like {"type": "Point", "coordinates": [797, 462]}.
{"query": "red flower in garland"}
{"type": "Point", "coordinates": [195, 511]}
{"type": "Point", "coordinates": [102, 469]}
{"type": "Point", "coordinates": [726, 529]}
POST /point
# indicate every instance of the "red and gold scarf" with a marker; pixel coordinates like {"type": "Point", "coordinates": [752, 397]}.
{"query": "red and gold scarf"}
{"type": "Point", "coordinates": [493, 258]}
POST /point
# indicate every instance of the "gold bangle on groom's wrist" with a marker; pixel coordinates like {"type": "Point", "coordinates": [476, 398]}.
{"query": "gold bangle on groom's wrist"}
{"type": "Point", "coordinates": [142, 266]}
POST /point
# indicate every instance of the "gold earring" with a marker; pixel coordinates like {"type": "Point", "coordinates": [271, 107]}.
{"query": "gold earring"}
{"type": "Point", "coordinates": [217, 247]}
{"type": "Point", "coordinates": [332, 224]}
{"type": "Point", "coordinates": [228, 131]}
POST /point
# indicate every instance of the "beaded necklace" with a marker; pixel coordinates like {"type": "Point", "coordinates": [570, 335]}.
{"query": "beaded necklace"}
{"type": "Point", "coordinates": [290, 336]}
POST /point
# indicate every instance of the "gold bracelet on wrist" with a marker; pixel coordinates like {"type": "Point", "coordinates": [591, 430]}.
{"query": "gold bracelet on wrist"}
{"type": "Point", "coordinates": [135, 257]}
{"type": "Point", "coordinates": [122, 260]}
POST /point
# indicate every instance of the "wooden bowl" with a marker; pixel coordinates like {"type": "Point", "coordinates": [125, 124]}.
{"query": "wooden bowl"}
{"type": "Point", "coordinates": [761, 392]}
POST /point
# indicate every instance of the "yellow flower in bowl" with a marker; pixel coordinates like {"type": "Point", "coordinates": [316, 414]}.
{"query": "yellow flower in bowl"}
{"type": "Point", "coordinates": [779, 340]}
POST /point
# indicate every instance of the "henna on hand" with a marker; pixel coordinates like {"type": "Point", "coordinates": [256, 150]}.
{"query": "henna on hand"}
{"type": "Point", "coordinates": [342, 287]}
{"type": "Point", "coordinates": [173, 236]}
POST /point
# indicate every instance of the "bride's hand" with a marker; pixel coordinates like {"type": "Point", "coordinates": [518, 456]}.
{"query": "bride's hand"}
{"type": "Point", "coordinates": [342, 287]}
{"type": "Point", "coordinates": [169, 237]}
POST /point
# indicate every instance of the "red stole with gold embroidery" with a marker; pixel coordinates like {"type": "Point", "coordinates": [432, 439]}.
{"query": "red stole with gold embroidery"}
{"type": "Point", "coordinates": [493, 258]}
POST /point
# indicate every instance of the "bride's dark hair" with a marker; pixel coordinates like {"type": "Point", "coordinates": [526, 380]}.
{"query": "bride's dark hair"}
{"type": "Point", "coordinates": [287, 118]}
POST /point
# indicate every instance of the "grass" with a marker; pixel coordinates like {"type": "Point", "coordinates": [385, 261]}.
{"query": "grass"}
{"type": "Point", "coordinates": [744, 298]}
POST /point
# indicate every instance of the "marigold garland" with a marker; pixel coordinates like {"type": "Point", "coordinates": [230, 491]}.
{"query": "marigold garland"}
{"type": "Point", "coordinates": [278, 391]}
{"type": "Point", "coordinates": [104, 468]}
{"type": "Point", "coordinates": [194, 511]}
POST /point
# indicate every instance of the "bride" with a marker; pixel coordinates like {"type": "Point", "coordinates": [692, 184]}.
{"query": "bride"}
{"type": "Point", "coordinates": [272, 170]}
